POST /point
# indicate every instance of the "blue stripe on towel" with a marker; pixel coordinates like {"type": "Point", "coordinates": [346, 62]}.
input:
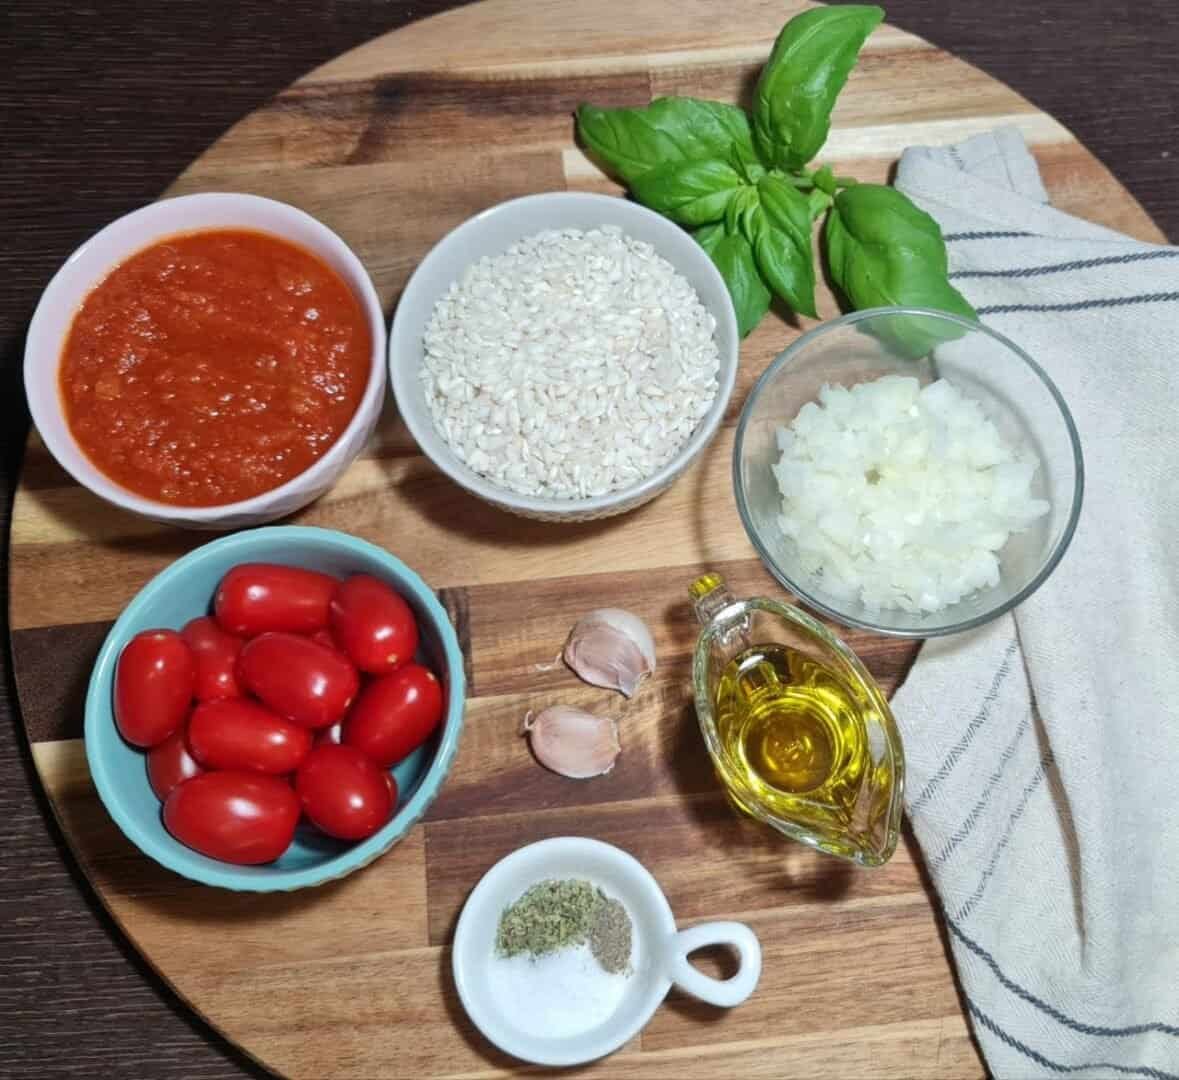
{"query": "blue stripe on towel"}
{"type": "Point", "coordinates": [979, 719]}
{"type": "Point", "coordinates": [1068, 267]}
{"type": "Point", "coordinates": [985, 234]}
{"type": "Point", "coordinates": [1055, 1066]}
{"type": "Point", "coordinates": [1042, 1005]}
{"type": "Point", "coordinates": [1082, 305]}
{"type": "Point", "coordinates": [1029, 789]}
{"type": "Point", "coordinates": [967, 826]}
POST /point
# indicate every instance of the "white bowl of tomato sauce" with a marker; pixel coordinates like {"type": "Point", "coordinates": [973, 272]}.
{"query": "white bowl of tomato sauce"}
{"type": "Point", "coordinates": [211, 361]}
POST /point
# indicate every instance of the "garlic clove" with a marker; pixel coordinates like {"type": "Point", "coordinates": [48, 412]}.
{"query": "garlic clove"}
{"type": "Point", "coordinates": [611, 648]}
{"type": "Point", "coordinates": [572, 742]}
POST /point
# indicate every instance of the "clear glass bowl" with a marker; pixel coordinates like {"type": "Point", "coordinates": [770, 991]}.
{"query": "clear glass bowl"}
{"type": "Point", "coordinates": [1012, 388]}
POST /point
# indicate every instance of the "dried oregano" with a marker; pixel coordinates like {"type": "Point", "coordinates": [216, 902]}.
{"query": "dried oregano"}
{"type": "Point", "coordinates": [554, 915]}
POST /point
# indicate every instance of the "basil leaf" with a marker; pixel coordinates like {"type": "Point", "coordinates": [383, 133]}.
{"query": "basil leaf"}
{"type": "Point", "coordinates": [734, 259]}
{"type": "Point", "coordinates": [810, 63]}
{"type": "Point", "coordinates": [787, 208]}
{"type": "Point", "coordinates": [689, 192]}
{"type": "Point", "coordinates": [825, 180]}
{"type": "Point", "coordinates": [624, 141]}
{"type": "Point", "coordinates": [631, 142]}
{"type": "Point", "coordinates": [740, 207]}
{"type": "Point", "coordinates": [705, 129]}
{"type": "Point", "coordinates": [780, 232]}
{"type": "Point", "coordinates": [883, 251]}
{"type": "Point", "coordinates": [879, 214]}
{"type": "Point", "coordinates": [818, 201]}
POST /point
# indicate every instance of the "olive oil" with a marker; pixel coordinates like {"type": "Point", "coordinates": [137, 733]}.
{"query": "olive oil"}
{"type": "Point", "coordinates": [799, 733]}
{"type": "Point", "coordinates": [793, 734]}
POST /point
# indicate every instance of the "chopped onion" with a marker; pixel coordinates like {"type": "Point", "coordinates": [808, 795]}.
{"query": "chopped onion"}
{"type": "Point", "coordinates": [901, 496]}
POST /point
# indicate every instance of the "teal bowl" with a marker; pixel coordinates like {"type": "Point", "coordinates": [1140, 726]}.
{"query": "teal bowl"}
{"type": "Point", "coordinates": [183, 591]}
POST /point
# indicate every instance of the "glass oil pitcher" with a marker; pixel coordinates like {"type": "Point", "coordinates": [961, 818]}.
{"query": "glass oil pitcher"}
{"type": "Point", "coordinates": [800, 734]}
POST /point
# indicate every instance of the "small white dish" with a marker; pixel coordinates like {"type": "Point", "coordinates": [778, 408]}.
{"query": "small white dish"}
{"type": "Point", "coordinates": [659, 957]}
{"type": "Point", "coordinates": [133, 232]}
{"type": "Point", "coordinates": [491, 233]}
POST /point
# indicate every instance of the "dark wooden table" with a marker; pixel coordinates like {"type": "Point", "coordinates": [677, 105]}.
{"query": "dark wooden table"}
{"type": "Point", "coordinates": [101, 104]}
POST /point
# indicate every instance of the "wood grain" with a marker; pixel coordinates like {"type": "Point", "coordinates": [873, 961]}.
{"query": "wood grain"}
{"type": "Point", "coordinates": [350, 144]}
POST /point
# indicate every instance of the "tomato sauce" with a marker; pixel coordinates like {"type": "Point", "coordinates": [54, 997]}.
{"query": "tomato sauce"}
{"type": "Point", "coordinates": [214, 366]}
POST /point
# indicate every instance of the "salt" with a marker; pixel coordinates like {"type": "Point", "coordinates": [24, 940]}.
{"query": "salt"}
{"type": "Point", "coordinates": [558, 995]}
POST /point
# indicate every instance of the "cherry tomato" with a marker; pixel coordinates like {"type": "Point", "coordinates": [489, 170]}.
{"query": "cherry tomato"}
{"type": "Point", "coordinates": [154, 682]}
{"type": "Point", "coordinates": [237, 817]}
{"type": "Point", "coordinates": [215, 652]}
{"type": "Point", "coordinates": [395, 714]}
{"type": "Point", "coordinates": [343, 793]}
{"type": "Point", "coordinates": [239, 734]}
{"type": "Point", "coordinates": [298, 678]}
{"type": "Point", "coordinates": [330, 734]}
{"type": "Point", "coordinates": [169, 763]}
{"type": "Point", "coordinates": [324, 638]}
{"type": "Point", "coordinates": [258, 597]}
{"type": "Point", "coordinates": [373, 625]}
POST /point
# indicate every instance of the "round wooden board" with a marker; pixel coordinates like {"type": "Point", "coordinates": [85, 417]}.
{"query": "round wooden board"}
{"type": "Point", "coordinates": [392, 145]}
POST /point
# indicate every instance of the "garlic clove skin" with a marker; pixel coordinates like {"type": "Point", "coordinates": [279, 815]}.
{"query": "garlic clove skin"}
{"type": "Point", "coordinates": [611, 648]}
{"type": "Point", "coordinates": [573, 742]}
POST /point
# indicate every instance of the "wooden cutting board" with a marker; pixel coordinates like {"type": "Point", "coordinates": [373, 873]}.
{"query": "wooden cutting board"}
{"type": "Point", "coordinates": [392, 145]}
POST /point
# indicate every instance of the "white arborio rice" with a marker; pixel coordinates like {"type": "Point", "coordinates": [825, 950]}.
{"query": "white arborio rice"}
{"type": "Point", "coordinates": [574, 364]}
{"type": "Point", "coordinates": [901, 496]}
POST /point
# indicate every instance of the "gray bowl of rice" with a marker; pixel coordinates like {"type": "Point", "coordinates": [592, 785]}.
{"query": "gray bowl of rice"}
{"type": "Point", "coordinates": [564, 356]}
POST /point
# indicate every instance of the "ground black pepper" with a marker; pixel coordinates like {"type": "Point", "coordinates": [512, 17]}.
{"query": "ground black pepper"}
{"type": "Point", "coordinates": [609, 936]}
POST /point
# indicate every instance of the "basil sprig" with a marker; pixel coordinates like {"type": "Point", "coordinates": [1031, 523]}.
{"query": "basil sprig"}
{"type": "Point", "coordinates": [734, 258]}
{"type": "Point", "coordinates": [742, 184]}
{"type": "Point", "coordinates": [782, 243]}
{"type": "Point", "coordinates": [811, 60]}
{"type": "Point", "coordinates": [885, 252]}
{"type": "Point", "coordinates": [690, 192]}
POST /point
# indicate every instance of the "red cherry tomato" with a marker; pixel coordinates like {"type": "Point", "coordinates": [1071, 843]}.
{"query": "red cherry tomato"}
{"type": "Point", "coordinates": [330, 734]}
{"type": "Point", "coordinates": [373, 625]}
{"type": "Point", "coordinates": [391, 784]}
{"type": "Point", "coordinates": [324, 638]}
{"type": "Point", "coordinates": [215, 652]}
{"type": "Point", "coordinates": [154, 682]}
{"type": "Point", "coordinates": [298, 678]}
{"type": "Point", "coordinates": [169, 763]}
{"type": "Point", "coordinates": [343, 793]}
{"type": "Point", "coordinates": [394, 714]}
{"type": "Point", "coordinates": [237, 817]}
{"type": "Point", "coordinates": [239, 734]}
{"type": "Point", "coordinates": [258, 597]}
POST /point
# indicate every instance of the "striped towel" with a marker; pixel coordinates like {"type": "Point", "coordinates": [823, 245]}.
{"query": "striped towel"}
{"type": "Point", "coordinates": [1043, 750]}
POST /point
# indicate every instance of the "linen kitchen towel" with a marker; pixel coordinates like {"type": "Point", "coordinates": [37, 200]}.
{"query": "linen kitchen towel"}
{"type": "Point", "coordinates": [1043, 750]}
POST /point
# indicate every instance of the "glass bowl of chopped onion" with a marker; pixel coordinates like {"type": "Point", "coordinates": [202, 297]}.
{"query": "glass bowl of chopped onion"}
{"type": "Point", "coordinates": [908, 471]}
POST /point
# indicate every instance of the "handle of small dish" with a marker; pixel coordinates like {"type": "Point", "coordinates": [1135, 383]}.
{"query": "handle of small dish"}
{"type": "Point", "coordinates": [724, 993]}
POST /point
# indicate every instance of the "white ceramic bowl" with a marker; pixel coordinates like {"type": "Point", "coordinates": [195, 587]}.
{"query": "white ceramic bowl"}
{"type": "Point", "coordinates": [491, 233]}
{"type": "Point", "coordinates": [528, 1019]}
{"type": "Point", "coordinates": [86, 267]}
